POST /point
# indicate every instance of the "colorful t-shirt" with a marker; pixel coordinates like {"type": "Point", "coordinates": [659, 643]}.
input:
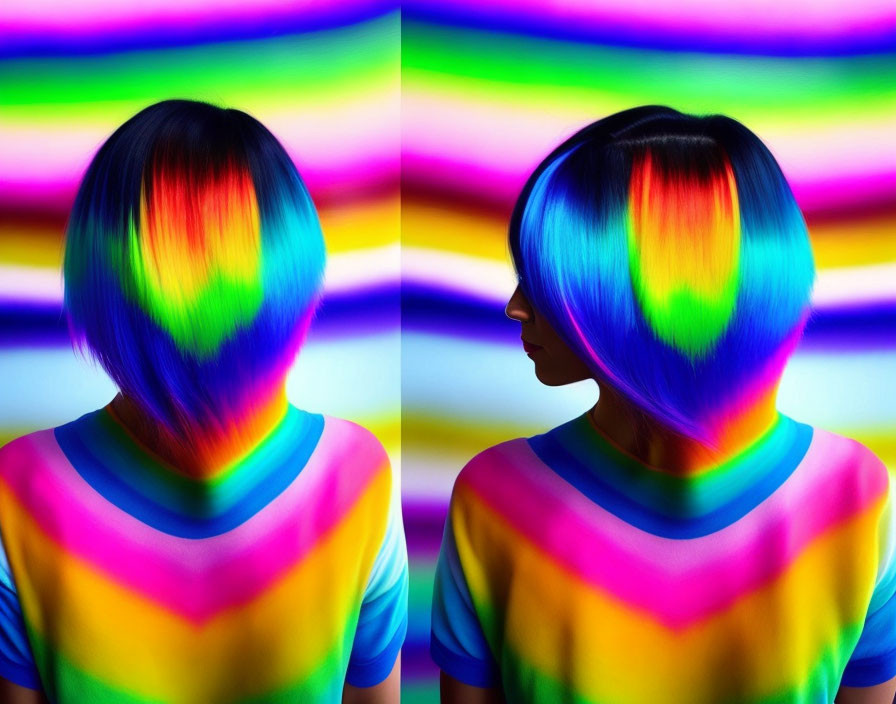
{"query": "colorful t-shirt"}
{"type": "Point", "coordinates": [570, 572]}
{"type": "Point", "coordinates": [124, 581]}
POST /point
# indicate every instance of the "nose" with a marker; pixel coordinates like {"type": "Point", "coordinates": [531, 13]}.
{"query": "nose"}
{"type": "Point", "coordinates": [518, 307]}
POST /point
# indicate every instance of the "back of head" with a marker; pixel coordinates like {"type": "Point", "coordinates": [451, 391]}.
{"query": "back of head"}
{"type": "Point", "coordinates": [669, 252]}
{"type": "Point", "coordinates": [193, 263]}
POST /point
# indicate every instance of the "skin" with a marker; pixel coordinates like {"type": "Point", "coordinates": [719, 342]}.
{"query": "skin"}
{"type": "Point", "coordinates": [186, 460]}
{"type": "Point", "coordinates": [556, 365]}
{"type": "Point", "coordinates": [386, 692]}
{"type": "Point", "coordinates": [456, 692]}
{"type": "Point", "coordinates": [14, 694]}
{"type": "Point", "coordinates": [883, 693]}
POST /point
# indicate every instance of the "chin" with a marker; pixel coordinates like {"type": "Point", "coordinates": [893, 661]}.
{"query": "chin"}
{"type": "Point", "coordinates": [552, 377]}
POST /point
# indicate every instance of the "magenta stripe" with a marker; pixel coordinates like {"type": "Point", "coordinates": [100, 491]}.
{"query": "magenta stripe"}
{"type": "Point", "coordinates": [92, 18]}
{"type": "Point", "coordinates": [678, 581]}
{"type": "Point", "coordinates": [815, 21]}
{"type": "Point", "coordinates": [168, 569]}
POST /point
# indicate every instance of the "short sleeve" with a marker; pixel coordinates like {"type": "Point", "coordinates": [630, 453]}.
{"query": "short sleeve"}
{"type": "Point", "coordinates": [16, 661]}
{"type": "Point", "coordinates": [873, 659]}
{"type": "Point", "coordinates": [457, 643]}
{"type": "Point", "coordinates": [383, 620]}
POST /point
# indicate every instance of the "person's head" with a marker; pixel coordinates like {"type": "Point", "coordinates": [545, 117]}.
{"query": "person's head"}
{"type": "Point", "coordinates": [666, 254]}
{"type": "Point", "coordinates": [193, 263]}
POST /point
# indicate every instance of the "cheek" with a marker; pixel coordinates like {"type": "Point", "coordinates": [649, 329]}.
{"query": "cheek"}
{"type": "Point", "coordinates": [557, 365]}
{"type": "Point", "coordinates": [563, 365]}
{"type": "Point", "coordinates": [574, 360]}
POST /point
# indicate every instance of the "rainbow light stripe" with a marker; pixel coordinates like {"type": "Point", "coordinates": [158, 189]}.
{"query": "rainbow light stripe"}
{"type": "Point", "coordinates": [794, 104]}
{"type": "Point", "coordinates": [758, 27]}
{"type": "Point", "coordinates": [97, 26]}
{"type": "Point", "coordinates": [324, 78]}
{"type": "Point", "coordinates": [687, 301]}
{"type": "Point", "coordinates": [813, 82]}
{"type": "Point", "coordinates": [699, 580]}
{"type": "Point", "coordinates": [205, 575]}
{"type": "Point", "coordinates": [488, 89]}
{"type": "Point", "coordinates": [334, 110]}
{"type": "Point", "coordinates": [196, 261]}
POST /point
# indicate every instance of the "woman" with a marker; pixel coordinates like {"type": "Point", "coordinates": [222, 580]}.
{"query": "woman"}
{"type": "Point", "coordinates": [199, 539]}
{"type": "Point", "coordinates": [682, 541]}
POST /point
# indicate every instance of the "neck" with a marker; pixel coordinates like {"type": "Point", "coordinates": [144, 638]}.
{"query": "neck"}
{"type": "Point", "coordinates": [656, 446]}
{"type": "Point", "coordinates": [209, 451]}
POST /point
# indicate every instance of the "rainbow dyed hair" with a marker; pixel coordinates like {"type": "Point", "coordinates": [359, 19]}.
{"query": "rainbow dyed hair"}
{"type": "Point", "coordinates": [193, 262]}
{"type": "Point", "coordinates": [668, 251]}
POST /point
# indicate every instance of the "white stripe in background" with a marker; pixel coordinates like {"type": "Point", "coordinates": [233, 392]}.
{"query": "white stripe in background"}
{"type": "Point", "coordinates": [482, 132]}
{"type": "Point", "coordinates": [345, 272]}
{"type": "Point", "coordinates": [30, 284]}
{"type": "Point", "coordinates": [479, 382]}
{"type": "Point", "coordinates": [362, 268]}
{"type": "Point", "coordinates": [855, 285]}
{"type": "Point", "coordinates": [354, 377]}
{"type": "Point", "coordinates": [429, 473]}
{"type": "Point", "coordinates": [494, 280]}
{"type": "Point", "coordinates": [488, 279]}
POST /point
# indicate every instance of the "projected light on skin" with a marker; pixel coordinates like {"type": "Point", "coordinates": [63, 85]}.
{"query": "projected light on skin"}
{"type": "Point", "coordinates": [556, 364]}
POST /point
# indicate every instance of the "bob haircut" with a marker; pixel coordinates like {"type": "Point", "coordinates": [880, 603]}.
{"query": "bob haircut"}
{"type": "Point", "coordinates": [193, 263]}
{"type": "Point", "coordinates": [668, 251]}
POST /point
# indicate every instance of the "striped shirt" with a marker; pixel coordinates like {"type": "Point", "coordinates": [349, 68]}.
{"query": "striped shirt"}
{"type": "Point", "coordinates": [122, 580]}
{"type": "Point", "coordinates": [570, 572]}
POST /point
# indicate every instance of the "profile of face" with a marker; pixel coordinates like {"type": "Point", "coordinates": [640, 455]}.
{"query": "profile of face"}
{"type": "Point", "coordinates": [556, 363]}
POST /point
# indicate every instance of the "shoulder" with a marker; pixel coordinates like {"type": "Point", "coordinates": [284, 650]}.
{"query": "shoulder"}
{"type": "Point", "coordinates": [869, 483]}
{"type": "Point", "coordinates": [21, 454]}
{"type": "Point", "coordinates": [854, 479]}
{"type": "Point", "coordinates": [859, 465]}
{"type": "Point", "coordinates": [352, 440]}
{"type": "Point", "coordinates": [505, 456]}
{"type": "Point", "coordinates": [26, 463]}
{"type": "Point", "coordinates": [484, 479]}
{"type": "Point", "coordinates": [353, 453]}
{"type": "Point", "coordinates": [44, 446]}
{"type": "Point", "coordinates": [359, 467]}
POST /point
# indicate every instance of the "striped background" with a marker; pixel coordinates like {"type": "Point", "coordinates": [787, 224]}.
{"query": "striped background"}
{"type": "Point", "coordinates": [324, 77]}
{"type": "Point", "coordinates": [483, 93]}
{"type": "Point", "coordinates": [489, 88]}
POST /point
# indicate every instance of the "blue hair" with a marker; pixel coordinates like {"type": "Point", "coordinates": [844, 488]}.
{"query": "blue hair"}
{"type": "Point", "coordinates": [669, 252]}
{"type": "Point", "coordinates": [194, 260]}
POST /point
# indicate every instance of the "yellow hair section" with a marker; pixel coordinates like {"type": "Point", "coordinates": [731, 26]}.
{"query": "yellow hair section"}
{"type": "Point", "coordinates": [684, 250]}
{"type": "Point", "coordinates": [196, 255]}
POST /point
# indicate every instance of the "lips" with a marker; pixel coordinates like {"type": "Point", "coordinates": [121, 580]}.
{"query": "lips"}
{"type": "Point", "coordinates": [530, 348]}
